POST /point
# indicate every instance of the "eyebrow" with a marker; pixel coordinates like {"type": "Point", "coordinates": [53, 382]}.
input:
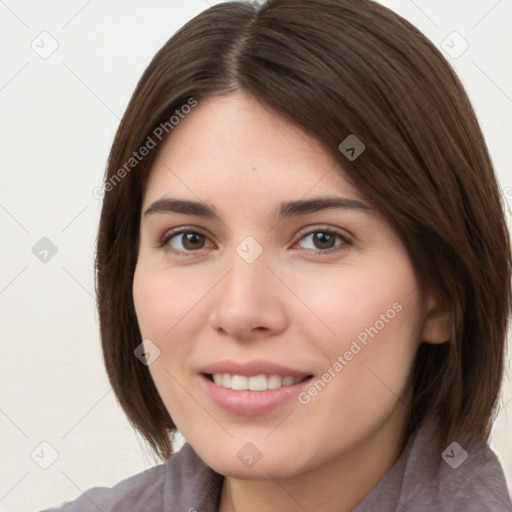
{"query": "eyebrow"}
{"type": "Point", "coordinates": [284, 210]}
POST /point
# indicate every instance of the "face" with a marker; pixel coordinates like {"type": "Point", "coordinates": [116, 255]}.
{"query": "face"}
{"type": "Point", "coordinates": [287, 325]}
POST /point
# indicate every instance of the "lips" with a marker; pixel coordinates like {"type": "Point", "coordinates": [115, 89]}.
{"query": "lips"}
{"type": "Point", "coordinates": [251, 388]}
{"type": "Point", "coordinates": [252, 368]}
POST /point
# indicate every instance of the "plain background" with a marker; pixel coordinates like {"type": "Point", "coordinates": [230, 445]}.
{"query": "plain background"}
{"type": "Point", "coordinates": [58, 116]}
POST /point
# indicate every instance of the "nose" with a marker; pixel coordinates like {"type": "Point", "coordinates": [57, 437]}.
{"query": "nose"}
{"type": "Point", "coordinates": [249, 301]}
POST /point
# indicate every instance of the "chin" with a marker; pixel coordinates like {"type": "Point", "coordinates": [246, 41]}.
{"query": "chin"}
{"type": "Point", "coordinates": [245, 461]}
{"type": "Point", "coordinates": [268, 470]}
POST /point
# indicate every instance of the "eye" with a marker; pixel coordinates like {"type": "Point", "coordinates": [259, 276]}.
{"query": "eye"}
{"type": "Point", "coordinates": [325, 240]}
{"type": "Point", "coordinates": [185, 241]}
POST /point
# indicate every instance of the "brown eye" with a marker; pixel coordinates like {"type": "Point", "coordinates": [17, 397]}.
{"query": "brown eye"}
{"type": "Point", "coordinates": [324, 240]}
{"type": "Point", "coordinates": [186, 241]}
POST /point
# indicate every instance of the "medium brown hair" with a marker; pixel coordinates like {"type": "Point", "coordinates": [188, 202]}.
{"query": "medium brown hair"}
{"type": "Point", "coordinates": [335, 68]}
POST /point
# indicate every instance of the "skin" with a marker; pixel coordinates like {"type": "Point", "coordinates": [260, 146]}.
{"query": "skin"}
{"type": "Point", "coordinates": [298, 304]}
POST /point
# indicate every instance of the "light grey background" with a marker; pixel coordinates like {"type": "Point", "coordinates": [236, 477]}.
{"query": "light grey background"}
{"type": "Point", "coordinates": [58, 116]}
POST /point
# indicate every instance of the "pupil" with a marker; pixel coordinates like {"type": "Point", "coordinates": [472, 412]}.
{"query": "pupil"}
{"type": "Point", "coordinates": [323, 240]}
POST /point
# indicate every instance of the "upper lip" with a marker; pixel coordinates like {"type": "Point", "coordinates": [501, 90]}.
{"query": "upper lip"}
{"type": "Point", "coordinates": [252, 368]}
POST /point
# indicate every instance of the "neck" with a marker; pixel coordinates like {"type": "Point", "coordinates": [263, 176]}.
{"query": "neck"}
{"type": "Point", "coordinates": [337, 486]}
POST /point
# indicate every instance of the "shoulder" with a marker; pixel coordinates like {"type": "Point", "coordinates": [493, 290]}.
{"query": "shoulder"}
{"type": "Point", "coordinates": [142, 489]}
{"type": "Point", "coordinates": [472, 478]}
{"type": "Point", "coordinates": [452, 479]}
{"type": "Point", "coordinates": [154, 490]}
{"type": "Point", "coordinates": [455, 478]}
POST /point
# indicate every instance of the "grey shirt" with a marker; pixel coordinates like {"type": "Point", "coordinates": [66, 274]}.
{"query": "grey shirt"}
{"type": "Point", "coordinates": [421, 480]}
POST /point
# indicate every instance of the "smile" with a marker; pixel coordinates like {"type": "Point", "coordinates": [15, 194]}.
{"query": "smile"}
{"type": "Point", "coordinates": [254, 383]}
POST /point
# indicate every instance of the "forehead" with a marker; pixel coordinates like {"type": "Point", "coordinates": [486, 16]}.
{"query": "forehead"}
{"type": "Point", "coordinates": [234, 149]}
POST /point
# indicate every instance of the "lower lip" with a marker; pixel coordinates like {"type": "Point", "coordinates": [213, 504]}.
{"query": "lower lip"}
{"type": "Point", "coordinates": [251, 403]}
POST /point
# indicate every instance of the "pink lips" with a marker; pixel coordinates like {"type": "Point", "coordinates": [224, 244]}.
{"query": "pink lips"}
{"type": "Point", "coordinates": [251, 403]}
{"type": "Point", "coordinates": [251, 368]}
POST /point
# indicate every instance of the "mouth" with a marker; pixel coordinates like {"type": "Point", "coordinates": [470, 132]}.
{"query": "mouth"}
{"type": "Point", "coordinates": [252, 388]}
{"type": "Point", "coordinates": [260, 382]}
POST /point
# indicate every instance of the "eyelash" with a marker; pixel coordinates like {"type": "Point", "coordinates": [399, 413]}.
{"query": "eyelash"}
{"type": "Point", "coordinates": [346, 242]}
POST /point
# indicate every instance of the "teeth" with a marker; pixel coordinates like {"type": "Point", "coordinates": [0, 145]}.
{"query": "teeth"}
{"type": "Point", "coordinates": [239, 382]}
{"type": "Point", "coordinates": [288, 381]}
{"type": "Point", "coordinates": [256, 383]}
{"type": "Point", "coordinates": [274, 381]}
{"type": "Point", "coordinates": [226, 381]}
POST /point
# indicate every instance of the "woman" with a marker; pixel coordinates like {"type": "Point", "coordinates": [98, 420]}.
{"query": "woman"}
{"type": "Point", "coordinates": [303, 266]}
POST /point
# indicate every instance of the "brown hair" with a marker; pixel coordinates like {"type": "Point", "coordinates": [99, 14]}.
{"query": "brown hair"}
{"type": "Point", "coordinates": [335, 68]}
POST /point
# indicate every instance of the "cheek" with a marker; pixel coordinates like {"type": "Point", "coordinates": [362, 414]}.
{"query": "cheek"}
{"type": "Point", "coordinates": [371, 317]}
{"type": "Point", "coordinates": [163, 309]}
{"type": "Point", "coordinates": [164, 302]}
{"type": "Point", "coordinates": [170, 312]}
{"type": "Point", "coordinates": [367, 369]}
{"type": "Point", "coordinates": [377, 298]}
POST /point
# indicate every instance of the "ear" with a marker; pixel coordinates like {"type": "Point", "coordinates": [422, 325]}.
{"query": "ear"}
{"type": "Point", "coordinates": [437, 327]}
